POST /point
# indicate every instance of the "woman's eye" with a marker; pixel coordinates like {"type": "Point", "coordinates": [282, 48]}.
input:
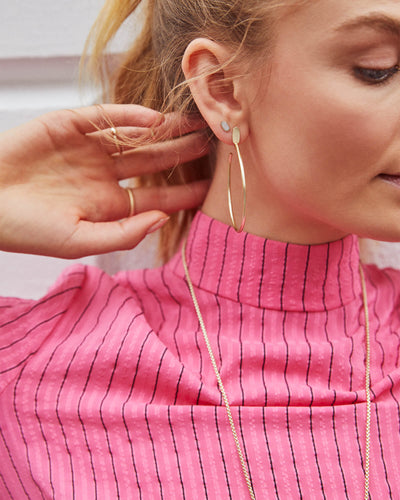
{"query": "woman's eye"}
{"type": "Point", "coordinates": [376, 76]}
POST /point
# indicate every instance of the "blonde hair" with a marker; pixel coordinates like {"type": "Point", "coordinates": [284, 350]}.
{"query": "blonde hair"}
{"type": "Point", "coordinates": [150, 73]}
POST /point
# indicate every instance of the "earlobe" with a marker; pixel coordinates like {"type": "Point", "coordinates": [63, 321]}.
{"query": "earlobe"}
{"type": "Point", "coordinates": [215, 89]}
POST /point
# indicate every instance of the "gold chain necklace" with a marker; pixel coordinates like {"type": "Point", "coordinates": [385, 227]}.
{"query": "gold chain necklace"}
{"type": "Point", "coordinates": [226, 401]}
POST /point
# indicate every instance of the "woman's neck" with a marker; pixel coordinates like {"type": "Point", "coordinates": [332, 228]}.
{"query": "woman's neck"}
{"type": "Point", "coordinates": [267, 214]}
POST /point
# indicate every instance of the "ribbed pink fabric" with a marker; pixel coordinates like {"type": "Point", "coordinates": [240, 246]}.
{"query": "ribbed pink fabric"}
{"type": "Point", "coordinates": [107, 390]}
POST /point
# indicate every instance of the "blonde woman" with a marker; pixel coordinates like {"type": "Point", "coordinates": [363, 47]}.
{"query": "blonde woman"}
{"type": "Point", "coordinates": [262, 360]}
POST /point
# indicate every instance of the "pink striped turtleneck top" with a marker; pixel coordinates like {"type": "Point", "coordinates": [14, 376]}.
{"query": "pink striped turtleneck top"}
{"type": "Point", "coordinates": [107, 390]}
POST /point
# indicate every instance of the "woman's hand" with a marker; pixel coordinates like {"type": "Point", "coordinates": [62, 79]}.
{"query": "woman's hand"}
{"type": "Point", "coordinates": [59, 179]}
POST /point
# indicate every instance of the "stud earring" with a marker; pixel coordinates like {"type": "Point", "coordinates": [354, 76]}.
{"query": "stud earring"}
{"type": "Point", "coordinates": [236, 142]}
{"type": "Point", "coordinates": [225, 126]}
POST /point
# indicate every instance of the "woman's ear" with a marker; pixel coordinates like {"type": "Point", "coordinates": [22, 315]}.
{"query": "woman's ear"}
{"type": "Point", "coordinates": [216, 91]}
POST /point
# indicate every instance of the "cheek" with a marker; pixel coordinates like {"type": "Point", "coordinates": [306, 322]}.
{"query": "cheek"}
{"type": "Point", "coordinates": [324, 134]}
{"type": "Point", "coordinates": [342, 133]}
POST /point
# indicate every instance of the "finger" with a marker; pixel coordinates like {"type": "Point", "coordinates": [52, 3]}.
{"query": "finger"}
{"type": "Point", "coordinates": [170, 199]}
{"type": "Point", "coordinates": [92, 118]}
{"type": "Point", "coordinates": [117, 139]}
{"type": "Point", "coordinates": [161, 156]}
{"type": "Point", "coordinates": [125, 202]}
{"type": "Point", "coordinates": [102, 237]}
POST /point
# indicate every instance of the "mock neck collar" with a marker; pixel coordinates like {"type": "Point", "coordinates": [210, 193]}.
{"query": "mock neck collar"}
{"type": "Point", "coordinates": [270, 274]}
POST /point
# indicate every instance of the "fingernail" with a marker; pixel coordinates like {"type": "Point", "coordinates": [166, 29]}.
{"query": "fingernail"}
{"type": "Point", "coordinates": [157, 225]}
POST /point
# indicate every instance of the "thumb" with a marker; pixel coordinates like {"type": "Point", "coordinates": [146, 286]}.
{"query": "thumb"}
{"type": "Point", "coordinates": [93, 238]}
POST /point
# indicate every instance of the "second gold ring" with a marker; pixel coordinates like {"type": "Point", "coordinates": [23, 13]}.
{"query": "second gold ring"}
{"type": "Point", "coordinates": [131, 201]}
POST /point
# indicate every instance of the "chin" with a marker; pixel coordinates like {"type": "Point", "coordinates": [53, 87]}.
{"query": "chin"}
{"type": "Point", "coordinates": [383, 233]}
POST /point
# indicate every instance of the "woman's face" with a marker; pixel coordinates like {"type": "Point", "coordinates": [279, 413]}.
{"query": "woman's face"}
{"type": "Point", "coordinates": [324, 147]}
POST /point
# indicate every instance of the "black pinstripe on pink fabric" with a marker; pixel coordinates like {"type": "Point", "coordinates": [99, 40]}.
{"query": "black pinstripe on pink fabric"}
{"type": "Point", "coordinates": [107, 390]}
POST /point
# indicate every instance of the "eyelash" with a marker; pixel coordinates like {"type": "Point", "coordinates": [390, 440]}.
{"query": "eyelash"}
{"type": "Point", "coordinates": [376, 76]}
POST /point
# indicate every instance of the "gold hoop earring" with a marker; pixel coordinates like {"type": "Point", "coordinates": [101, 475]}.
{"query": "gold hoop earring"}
{"type": "Point", "coordinates": [236, 141]}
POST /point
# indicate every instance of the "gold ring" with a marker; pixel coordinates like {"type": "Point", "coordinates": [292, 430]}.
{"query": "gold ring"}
{"type": "Point", "coordinates": [116, 140]}
{"type": "Point", "coordinates": [131, 201]}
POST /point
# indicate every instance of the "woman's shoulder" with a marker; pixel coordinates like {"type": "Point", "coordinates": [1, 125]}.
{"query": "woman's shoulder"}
{"type": "Point", "coordinates": [384, 284]}
{"type": "Point", "coordinates": [382, 275]}
{"type": "Point", "coordinates": [84, 301]}
{"type": "Point", "coordinates": [81, 284]}
{"type": "Point", "coordinates": [60, 294]}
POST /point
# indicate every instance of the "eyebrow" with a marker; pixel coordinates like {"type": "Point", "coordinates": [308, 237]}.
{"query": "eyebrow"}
{"type": "Point", "coordinates": [378, 22]}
